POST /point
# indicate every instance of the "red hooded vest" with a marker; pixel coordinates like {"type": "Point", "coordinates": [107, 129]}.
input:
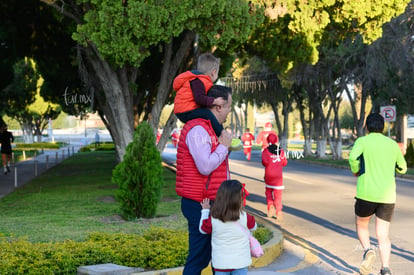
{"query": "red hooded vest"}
{"type": "Point", "coordinates": [190, 183]}
{"type": "Point", "coordinates": [184, 100]}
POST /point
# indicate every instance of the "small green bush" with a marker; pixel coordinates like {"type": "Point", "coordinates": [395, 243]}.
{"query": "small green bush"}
{"type": "Point", "coordinates": [139, 176]}
{"type": "Point", "coordinates": [409, 155]}
{"type": "Point", "coordinates": [262, 234]}
{"type": "Point", "coordinates": [105, 147]}
{"type": "Point", "coordinates": [85, 149]}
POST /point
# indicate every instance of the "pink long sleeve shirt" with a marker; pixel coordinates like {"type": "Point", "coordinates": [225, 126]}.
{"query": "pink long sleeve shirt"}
{"type": "Point", "coordinates": [199, 145]}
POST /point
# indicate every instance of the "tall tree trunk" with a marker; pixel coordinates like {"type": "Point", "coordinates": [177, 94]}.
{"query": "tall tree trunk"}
{"type": "Point", "coordinates": [114, 98]}
{"type": "Point", "coordinates": [359, 118]}
{"type": "Point", "coordinates": [169, 126]}
{"type": "Point", "coordinates": [27, 129]}
{"type": "Point", "coordinates": [171, 64]}
{"type": "Point", "coordinates": [335, 139]}
{"type": "Point", "coordinates": [299, 98]}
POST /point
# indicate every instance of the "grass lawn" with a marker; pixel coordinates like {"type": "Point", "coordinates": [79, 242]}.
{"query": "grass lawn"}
{"type": "Point", "coordinates": [76, 198]}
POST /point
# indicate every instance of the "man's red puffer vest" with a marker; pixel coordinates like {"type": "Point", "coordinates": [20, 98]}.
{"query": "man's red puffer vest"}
{"type": "Point", "coordinates": [184, 100]}
{"type": "Point", "coordinates": [190, 183]}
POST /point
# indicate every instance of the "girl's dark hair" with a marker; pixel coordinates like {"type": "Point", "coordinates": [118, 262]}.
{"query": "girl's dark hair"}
{"type": "Point", "coordinates": [228, 202]}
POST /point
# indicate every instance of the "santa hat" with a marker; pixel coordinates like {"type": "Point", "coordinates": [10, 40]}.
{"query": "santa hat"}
{"type": "Point", "coordinates": [272, 139]}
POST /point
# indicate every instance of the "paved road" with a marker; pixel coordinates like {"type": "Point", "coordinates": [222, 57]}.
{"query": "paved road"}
{"type": "Point", "coordinates": [318, 217]}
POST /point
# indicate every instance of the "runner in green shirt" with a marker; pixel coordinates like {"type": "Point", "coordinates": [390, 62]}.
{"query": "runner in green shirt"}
{"type": "Point", "coordinates": [374, 159]}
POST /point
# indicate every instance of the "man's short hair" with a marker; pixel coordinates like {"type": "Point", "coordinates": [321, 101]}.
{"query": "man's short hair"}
{"type": "Point", "coordinates": [207, 62]}
{"type": "Point", "coordinates": [375, 123]}
{"type": "Point", "coordinates": [219, 91]}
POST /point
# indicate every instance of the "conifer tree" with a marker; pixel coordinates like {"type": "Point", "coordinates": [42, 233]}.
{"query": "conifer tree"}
{"type": "Point", "coordinates": [139, 176]}
{"type": "Point", "coordinates": [409, 155]}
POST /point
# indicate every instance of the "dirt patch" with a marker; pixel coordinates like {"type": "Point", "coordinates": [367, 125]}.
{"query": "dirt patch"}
{"type": "Point", "coordinates": [166, 199]}
{"type": "Point", "coordinates": [113, 219]}
{"type": "Point", "coordinates": [108, 199]}
{"type": "Point", "coordinates": [111, 186]}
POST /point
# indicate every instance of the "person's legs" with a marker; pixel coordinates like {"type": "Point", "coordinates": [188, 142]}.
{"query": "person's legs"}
{"type": "Point", "coordinates": [363, 213]}
{"type": "Point", "coordinates": [199, 251]}
{"type": "Point", "coordinates": [8, 162]}
{"type": "Point", "coordinates": [278, 203]}
{"type": "Point", "coordinates": [363, 236]}
{"type": "Point", "coordinates": [4, 159]}
{"type": "Point", "coordinates": [249, 153]}
{"type": "Point", "coordinates": [382, 229]}
{"type": "Point", "coordinates": [270, 202]}
{"type": "Point", "coordinates": [384, 215]}
{"type": "Point", "coordinates": [240, 271]}
{"type": "Point", "coordinates": [362, 224]}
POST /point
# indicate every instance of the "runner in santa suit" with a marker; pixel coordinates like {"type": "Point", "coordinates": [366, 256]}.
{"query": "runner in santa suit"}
{"type": "Point", "coordinates": [262, 137]}
{"type": "Point", "coordinates": [175, 136]}
{"type": "Point", "coordinates": [247, 139]}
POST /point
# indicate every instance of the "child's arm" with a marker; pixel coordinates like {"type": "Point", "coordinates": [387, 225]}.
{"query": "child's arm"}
{"type": "Point", "coordinates": [265, 158]}
{"type": "Point", "coordinates": [251, 222]}
{"type": "Point", "coordinates": [283, 157]}
{"type": "Point", "coordinates": [205, 220]}
{"type": "Point", "coordinates": [200, 95]}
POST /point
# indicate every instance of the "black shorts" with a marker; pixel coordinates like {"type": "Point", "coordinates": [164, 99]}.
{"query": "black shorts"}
{"type": "Point", "coordinates": [6, 150]}
{"type": "Point", "coordinates": [383, 211]}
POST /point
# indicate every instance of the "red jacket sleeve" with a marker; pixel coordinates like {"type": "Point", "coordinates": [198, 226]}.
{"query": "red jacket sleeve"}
{"type": "Point", "coordinates": [206, 226]}
{"type": "Point", "coordinates": [284, 158]}
{"type": "Point", "coordinates": [251, 222]}
{"type": "Point", "coordinates": [265, 159]}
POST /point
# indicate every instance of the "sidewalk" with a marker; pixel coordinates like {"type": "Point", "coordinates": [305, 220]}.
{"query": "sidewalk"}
{"type": "Point", "coordinates": [24, 171]}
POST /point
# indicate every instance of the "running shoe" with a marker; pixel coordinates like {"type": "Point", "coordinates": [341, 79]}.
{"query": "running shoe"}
{"type": "Point", "coordinates": [385, 271]}
{"type": "Point", "coordinates": [367, 262]}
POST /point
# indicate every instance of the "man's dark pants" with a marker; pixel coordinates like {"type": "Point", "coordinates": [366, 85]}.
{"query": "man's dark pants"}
{"type": "Point", "coordinates": [199, 252]}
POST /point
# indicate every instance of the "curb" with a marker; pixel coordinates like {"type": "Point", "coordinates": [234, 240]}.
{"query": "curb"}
{"type": "Point", "coordinates": [272, 250]}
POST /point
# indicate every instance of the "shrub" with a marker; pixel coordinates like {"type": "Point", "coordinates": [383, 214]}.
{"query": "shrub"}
{"type": "Point", "coordinates": [155, 249]}
{"type": "Point", "coordinates": [409, 155]}
{"type": "Point", "coordinates": [84, 149]}
{"type": "Point", "coordinates": [262, 234]}
{"type": "Point", "coordinates": [139, 176]}
{"type": "Point", "coordinates": [40, 145]}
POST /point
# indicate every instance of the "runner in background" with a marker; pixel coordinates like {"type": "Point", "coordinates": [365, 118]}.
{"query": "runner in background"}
{"type": "Point", "coordinates": [247, 139]}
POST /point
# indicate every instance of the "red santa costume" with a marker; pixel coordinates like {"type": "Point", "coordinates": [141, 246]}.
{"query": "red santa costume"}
{"type": "Point", "coordinates": [274, 159]}
{"type": "Point", "coordinates": [247, 139]}
{"type": "Point", "coordinates": [175, 136]}
{"type": "Point", "coordinates": [262, 137]}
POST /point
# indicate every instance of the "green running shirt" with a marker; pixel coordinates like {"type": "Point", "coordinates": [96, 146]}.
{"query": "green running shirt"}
{"type": "Point", "coordinates": [376, 158]}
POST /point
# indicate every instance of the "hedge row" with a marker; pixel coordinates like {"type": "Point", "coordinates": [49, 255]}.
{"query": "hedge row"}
{"type": "Point", "coordinates": [157, 249]}
{"type": "Point", "coordinates": [40, 145]}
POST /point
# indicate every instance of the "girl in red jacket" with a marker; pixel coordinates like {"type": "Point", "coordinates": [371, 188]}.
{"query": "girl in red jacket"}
{"type": "Point", "coordinates": [274, 159]}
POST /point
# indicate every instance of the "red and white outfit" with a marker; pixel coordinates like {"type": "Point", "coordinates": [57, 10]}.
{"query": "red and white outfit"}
{"type": "Point", "coordinates": [175, 136]}
{"type": "Point", "coordinates": [274, 159]}
{"type": "Point", "coordinates": [247, 139]}
{"type": "Point", "coordinates": [230, 244]}
{"type": "Point", "coordinates": [262, 136]}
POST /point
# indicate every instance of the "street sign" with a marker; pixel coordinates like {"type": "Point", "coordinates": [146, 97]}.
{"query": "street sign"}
{"type": "Point", "coordinates": [389, 113]}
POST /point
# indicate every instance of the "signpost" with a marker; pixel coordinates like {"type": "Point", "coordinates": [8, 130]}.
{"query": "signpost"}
{"type": "Point", "coordinates": [389, 113]}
